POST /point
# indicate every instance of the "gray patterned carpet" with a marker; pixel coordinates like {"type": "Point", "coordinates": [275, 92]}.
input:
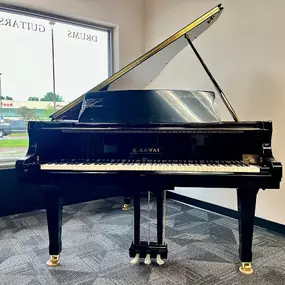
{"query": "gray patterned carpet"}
{"type": "Point", "coordinates": [96, 237]}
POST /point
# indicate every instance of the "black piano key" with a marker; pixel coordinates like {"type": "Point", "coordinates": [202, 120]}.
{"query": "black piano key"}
{"type": "Point", "coordinates": [245, 164]}
{"type": "Point", "coordinates": [234, 162]}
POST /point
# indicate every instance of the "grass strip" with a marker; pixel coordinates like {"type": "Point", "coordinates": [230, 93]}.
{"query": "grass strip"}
{"type": "Point", "coordinates": [14, 143]}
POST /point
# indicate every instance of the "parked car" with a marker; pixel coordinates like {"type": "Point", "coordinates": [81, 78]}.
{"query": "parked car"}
{"type": "Point", "coordinates": [18, 126]}
{"type": "Point", "coordinates": [5, 129]}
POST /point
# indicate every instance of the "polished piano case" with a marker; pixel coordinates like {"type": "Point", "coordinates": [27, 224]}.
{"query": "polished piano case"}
{"type": "Point", "coordinates": [120, 135]}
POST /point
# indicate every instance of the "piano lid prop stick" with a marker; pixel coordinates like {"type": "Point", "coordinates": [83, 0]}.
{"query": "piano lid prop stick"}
{"type": "Point", "coordinates": [219, 89]}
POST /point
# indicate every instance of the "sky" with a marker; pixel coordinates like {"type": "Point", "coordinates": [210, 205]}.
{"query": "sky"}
{"type": "Point", "coordinates": [81, 57]}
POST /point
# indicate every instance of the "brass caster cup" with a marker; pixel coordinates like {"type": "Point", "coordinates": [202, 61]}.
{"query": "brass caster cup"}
{"type": "Point", "coordinates": [126, 207]}
{"type": "Point", "coordinates": [246, 268]}
{"type": "Point", "coordinates": [53, 261]}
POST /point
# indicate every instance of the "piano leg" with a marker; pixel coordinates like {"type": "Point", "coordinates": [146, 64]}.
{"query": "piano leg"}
{"type": "Point", "coordinates": [127, 203]}
{"type": "Point", "coordinates": [54, 204]}
{"type": "Point", "coordinates": [246, 208]}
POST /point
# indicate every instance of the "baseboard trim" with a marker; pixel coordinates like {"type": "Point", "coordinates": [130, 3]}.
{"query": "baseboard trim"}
{"type": "Point", "coordinates": [268, 225]}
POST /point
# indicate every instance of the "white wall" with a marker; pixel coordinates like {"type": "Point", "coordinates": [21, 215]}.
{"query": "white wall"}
{"type": "Point", "coordinates": [125, 15]}
{"type": "Point", "coordinates": [244, 50]}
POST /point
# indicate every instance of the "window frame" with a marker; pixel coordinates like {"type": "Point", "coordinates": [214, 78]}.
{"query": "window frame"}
{"type": "Point", "coordinates": [14, 9]}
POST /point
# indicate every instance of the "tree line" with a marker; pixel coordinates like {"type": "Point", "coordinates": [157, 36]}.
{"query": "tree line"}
{"type": "Point", "coordinates": [50, 96]}
{"type": "Point", "coordinates": [6, 98]}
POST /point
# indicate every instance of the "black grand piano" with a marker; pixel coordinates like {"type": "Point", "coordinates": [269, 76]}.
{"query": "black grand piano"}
{"type": "Point", "coordinates": [122, 135]}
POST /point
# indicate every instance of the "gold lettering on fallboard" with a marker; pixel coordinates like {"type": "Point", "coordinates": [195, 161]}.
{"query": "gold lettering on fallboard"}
{"type": "Point", "coordinates": [146, 150]}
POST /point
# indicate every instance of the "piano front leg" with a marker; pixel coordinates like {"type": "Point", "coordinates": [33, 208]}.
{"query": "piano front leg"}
{"type": "Point", "coordinates": [54, 205]}
{"type": "Point", "coordinates": [246, 208]}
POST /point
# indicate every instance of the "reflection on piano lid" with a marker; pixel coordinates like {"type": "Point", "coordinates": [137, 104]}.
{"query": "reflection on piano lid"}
{"type": "Point", "coordinates": [148, 107]}
{"type": "Point", "coordinates": [142, 71]}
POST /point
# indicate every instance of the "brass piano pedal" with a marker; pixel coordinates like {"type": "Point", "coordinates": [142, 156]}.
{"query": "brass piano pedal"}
{"type": "Point", "coordinates": [136, 259]}
{"type": "Point", "coordinates": [126, 207]}
{"type": "Point", "coordinates": [159, 260]}
{"type": "Point", "coordinates": [147, 259]}
{"type": "Point", "coordinates": [53, 261]}
{"type": "Point", "coordinates": [246, 268]}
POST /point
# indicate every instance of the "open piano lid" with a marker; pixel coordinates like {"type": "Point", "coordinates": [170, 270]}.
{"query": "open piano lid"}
{"type": "Point", "coordinates": [142, 71]}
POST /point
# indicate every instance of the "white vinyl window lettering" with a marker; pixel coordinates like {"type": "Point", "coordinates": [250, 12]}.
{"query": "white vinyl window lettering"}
{"type": "Point", "coordinates": [44, 64]}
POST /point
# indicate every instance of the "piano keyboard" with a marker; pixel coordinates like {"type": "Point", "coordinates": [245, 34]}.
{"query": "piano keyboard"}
{"type": "Point", "coordinates": [158, 165]}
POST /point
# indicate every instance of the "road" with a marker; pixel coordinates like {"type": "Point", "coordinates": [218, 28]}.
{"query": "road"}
{"type": "Point", "coordinates": [12, 152]}
{"type": "Point", "coordinates": [14, 138]}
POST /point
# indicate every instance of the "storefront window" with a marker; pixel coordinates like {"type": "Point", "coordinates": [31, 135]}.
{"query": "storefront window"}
{"type": "Point", "coordinates": [44, 64]}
